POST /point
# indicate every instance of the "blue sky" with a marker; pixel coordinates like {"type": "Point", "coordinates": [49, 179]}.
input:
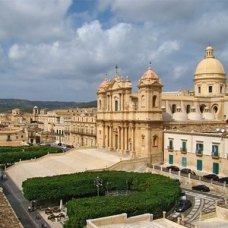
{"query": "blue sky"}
{"type": "Point", "coordinates": [63, 49]}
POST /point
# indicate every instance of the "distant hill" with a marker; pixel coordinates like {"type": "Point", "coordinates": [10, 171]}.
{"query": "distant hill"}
{"type": "Point", "coordinates": [27, 106]}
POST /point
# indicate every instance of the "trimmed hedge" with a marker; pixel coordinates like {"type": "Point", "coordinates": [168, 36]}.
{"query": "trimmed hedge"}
{"type": "Point", "coordinates": [149, 193]}
{"type": "Point", "coordinates": [14, 154]}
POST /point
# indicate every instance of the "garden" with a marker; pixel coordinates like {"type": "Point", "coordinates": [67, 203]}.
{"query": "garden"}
{"type": "Point", "coordinates": [90, 195]}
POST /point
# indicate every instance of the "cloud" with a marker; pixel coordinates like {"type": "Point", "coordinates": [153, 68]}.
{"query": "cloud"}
{"type": "Point", "coordinates": [33, 21]}
{"type": "Point", "coordinates": [179, 72]}
{"type": "Point", "coordinates": [51, 52]}
{"type": "Point", "coordinates": [85, 58]}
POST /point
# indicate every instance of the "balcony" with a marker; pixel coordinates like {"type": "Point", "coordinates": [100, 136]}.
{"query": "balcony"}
{"type": "Point", "coordinates": [215, 155]}
{"type": "Point", "coordinates": [83, 133]}
{"type": "Point", "coordinates": [183, 150]}
{"type": "Point", "coordinates": [170, 148]}
{"type": "Point", "coordinates": [199, 153]}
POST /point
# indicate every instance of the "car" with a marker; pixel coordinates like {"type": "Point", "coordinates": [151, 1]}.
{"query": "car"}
{"type": "Point", "coordinates": [173, 168]}
{"type": "Point", "coordinates": [214, 177]}
{"type": "Point", "coordinates": [183, 196]}
{"type": "Point", "coordinates": [201, 188]}
{"type": "Point", "coordinates": [183, 205]}
{"type": "Point", "coordinates": [187, 171]}
{"type": "Point", "coordinates": [223, 179]}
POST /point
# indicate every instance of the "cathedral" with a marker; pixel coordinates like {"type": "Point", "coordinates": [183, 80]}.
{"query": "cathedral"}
{"type": "Point", "coordinates": [133, 123]}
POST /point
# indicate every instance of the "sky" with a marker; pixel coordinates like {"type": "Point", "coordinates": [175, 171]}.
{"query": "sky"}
{"type": "Point", "coordinates": [61, 50]}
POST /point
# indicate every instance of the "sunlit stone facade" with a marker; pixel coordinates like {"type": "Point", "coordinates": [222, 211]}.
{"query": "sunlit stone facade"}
{"type": "Point", "coordinates": [131, 123]}
{"type": "Point", "coordinates": [208, 101]}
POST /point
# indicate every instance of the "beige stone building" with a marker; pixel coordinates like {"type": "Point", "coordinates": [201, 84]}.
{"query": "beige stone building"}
{"type": "Point", "coordinates": [80, 128]}
{"type": "Point", "coordinates": [131, 122]}
{"type": "Point", "coordinates": [208, 101]}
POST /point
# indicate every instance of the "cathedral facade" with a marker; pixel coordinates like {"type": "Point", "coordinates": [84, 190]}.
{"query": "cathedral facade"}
{"type": "Point", "coordinates": [131, 123]}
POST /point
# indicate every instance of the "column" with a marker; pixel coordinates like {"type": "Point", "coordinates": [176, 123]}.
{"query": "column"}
{"type": "Point", "coordinates": [126, 139]}
{"type": "Point", "coordinates": [103, 130]}
{"type": "Point", "coordinates": [133, 141]}
{"type": "Point", "coordinates": [122, 140]}
{"type": "Point", "coordinates": [108, 138]}
{"type": "Point", "coordinates": [111, 137]}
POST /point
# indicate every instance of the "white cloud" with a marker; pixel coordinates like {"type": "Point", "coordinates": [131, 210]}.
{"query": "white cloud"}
{"type": "Point", "coordinates": [87, 55]}
{"type": "Point", "coordinates": [46, 54]}
{"type": "Point", "coordinates": [179, 72]}
{"type": "Point", "coordinates": [33, 20]}
{"type": "Point", "coordinates": [16, 52]}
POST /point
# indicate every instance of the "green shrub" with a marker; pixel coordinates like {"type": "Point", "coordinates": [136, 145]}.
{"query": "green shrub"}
{"type": "Point", "coordinates": [148, 194]}
{"type": "Point", "coordinates": [15, 154]}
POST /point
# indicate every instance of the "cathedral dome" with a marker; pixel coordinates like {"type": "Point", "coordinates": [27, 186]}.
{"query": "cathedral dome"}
{"type": "Point", "coordinates": [149, 77]}
{"type": "Point", "coordinates": [104, 84]}
{"type": "Point", "coordinates": [209, 65]}
{"type": "Point", "coordinates": [149, 74]}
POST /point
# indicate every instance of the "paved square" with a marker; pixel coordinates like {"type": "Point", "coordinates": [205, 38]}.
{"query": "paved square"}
{"type": "Point", "coordinates": [73, 161]}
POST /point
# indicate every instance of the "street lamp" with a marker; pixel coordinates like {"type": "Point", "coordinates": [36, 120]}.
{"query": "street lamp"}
{"type": "Point", "coordinates": [107, 184]}
{"type": "Point", "coordinates": [98, 182]}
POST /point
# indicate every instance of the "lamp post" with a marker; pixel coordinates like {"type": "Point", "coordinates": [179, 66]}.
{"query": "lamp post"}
{"type": "Point", "coordinates": [98, 182]}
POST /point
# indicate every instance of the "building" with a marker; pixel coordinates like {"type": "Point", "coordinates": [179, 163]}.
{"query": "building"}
{"type": "Point", "coordinates": [203, 152]}
{"type": "Point", "coordinates": [131, 123]}
{"type": "Point", "coordinates": [208, 101]}
{"type": "Point", "coordinates": [80, 128]}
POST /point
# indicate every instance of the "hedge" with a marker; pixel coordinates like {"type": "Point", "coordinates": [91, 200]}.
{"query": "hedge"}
{"type": "Point", "coordinates": [149, 193]}
{"type": "Point", "coordinates": [14, 154]}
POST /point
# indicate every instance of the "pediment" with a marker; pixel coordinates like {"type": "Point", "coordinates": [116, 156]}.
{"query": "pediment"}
{"type": "Point", "coordinates": [114, 85]}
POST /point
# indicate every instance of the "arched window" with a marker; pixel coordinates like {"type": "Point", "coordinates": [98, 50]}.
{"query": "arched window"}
{"type": "Point", "coordinates": [99, 104]}
{"type": "Point", "coordinates": [154, 101]}
{"type": "Point", "coordinates": [215, 109]}
{"type": "Point", "coordinates": [155, 140]}
{"type": "Point", "coordinates": [116, 105]}
{"type": "Point", "coordinates": [202, 107]}
{"type": "Point", "coordinates": [174, 108]}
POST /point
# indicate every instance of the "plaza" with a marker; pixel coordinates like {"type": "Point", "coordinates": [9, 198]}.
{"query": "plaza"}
{"type": "Point", "coordinates": [76, 160]}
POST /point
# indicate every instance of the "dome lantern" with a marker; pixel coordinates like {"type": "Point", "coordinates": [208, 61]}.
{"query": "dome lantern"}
{"type": "Point", "coordinates": [209, 52]}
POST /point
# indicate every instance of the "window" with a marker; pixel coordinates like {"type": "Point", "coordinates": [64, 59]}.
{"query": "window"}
{"type": "Point", "coordinates": [209, 89]}
{"type": "Point", "coordinates": [199, 89]}
{"type": "Point", "coordinates": [199, 148]}
{"type": "Point", "coordinates": [216, 168]}
{"type": "Point", "coordinates": [184, 146]}
{"type": "Point", "coordinates": [116, 105]}
{"type": "Point", "coordinates": [174, 107]}
{"type": "Point", "coordinates": [188, 108]}
{"type": "Point", "coordinates": [215, 150]}
{"type": "Point", "coordinates": [215, 109]}
{"type": "Point", "coordinates": [199, 165]}
{"type": "Point", "coordinates": [170, 144]}
{"type": "Point", "coordinates": [202, 108]}
{"type": "Point", "coordinates": [154, 101]}
{"type": "Point", "coordinates": [221, 88]}
{"type": "Point", "coordinates": [184, 162]}
{"type": "Point", "coordinates": [170, 159]}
